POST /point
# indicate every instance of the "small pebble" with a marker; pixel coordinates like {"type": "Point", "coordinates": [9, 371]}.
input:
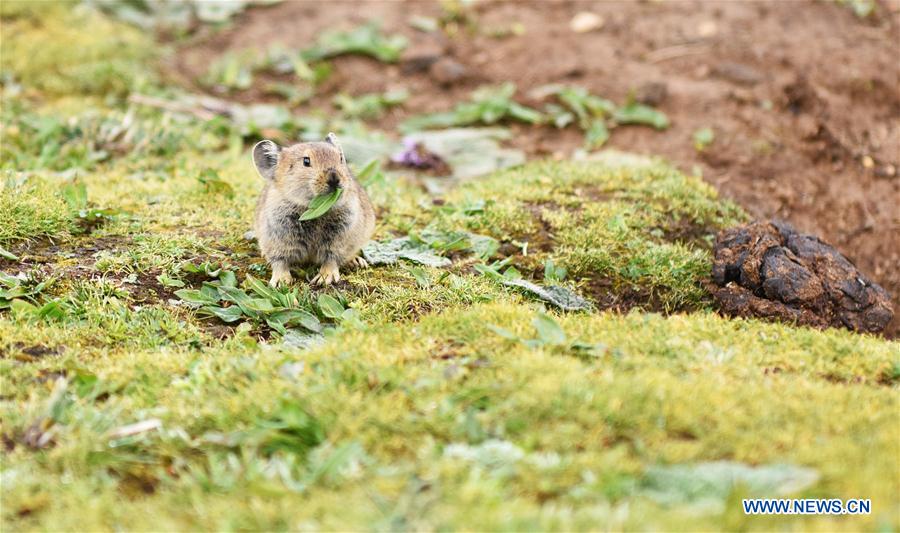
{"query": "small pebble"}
{"type": "Point", "coordinates": [585, 22]}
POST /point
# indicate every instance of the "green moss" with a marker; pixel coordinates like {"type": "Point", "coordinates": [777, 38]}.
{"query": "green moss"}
{"type": "Point", "coordinates": [33, 210]}
{"type": "Point", "coordinates": [575, 435]}
{"type": "Point", "coordinates": [644, 228]}
{"type": "Point", "coordinates": [62, 49]}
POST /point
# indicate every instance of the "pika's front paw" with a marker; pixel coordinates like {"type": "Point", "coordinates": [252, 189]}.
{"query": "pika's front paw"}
{"type": "Point", "coordinates": [327, 275]}
{"type": "Point", "coordinates": [282, 277]}
{"type": "Point", "coordinates": [359, 262]}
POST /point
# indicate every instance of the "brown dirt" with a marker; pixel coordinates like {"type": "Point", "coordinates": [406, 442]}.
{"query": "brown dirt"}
{"type": "Point", "coordinates": [803, 96]}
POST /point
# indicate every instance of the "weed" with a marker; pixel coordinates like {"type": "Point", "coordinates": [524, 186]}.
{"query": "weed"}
{"type": "Point", "coordinates": [488, 105]}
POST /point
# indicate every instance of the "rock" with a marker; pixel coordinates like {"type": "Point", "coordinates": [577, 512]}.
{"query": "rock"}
{"type": "Point", "coordinates": [448, 71]}
{"type": "Point", "coordinates": [585, 22]}
{"type": "Point", "coordinates": [769, 270]}
{"type": "Point", "coordinates": [653, 93]}
{"type": "Point", "coordinates": [738, 73]}
{"type": "Point", "coordinates": [421, 56]}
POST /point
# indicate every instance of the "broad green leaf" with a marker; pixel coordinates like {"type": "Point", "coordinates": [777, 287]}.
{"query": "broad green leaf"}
{"type": "Point", "coordinates": [277, 326]}
{"type": "Point", "coordinates": [228, 278]}
{"type": "Point", "coordinates": [6, 254]}
{"type": "Point", "coordinates": [548, 330]}
{"type": "Point", "coordinates": [209, 291]}
{"type": "Point", "coordinates": [260, 305]}
{"type": "Point", "coordinates": [635, 113]}
{"type": "Point", "coordinates": [321, 204]}
{"type": "Point", "coordinates": [297, 317]}
{"type": "Point", "coordinates": [195, 297]}
{"type": "Point", "coordinates": [20, 307]}
{"type": "Point", "coordinates": [262, 289]}
{"type": "Point", "coordinates": [167, 281]}
{"type": "Point", "coordinates": [330, 307]}
{"type": "Point", "coordinates": [239, 297]}
{"type": "Point", "coordinates": [596, 135]}
{"type": "Point", "coordinates": [226, 314]}
{"type": "Point", "coordinates": [52, 310]}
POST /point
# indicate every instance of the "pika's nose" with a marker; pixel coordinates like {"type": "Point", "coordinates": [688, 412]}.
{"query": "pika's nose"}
{"type": "Point", "coordinates": [333, 179]}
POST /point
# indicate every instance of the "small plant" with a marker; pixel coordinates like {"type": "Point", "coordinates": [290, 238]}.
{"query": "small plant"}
{"type": "Point", "coordinates": [595, 116]}
{"type": "Point", "coordinates": [21, 295]}
{"type": "Point", "coordinates": [635, 113]}
{"type": "Point", "coordinates": [255, 302]}
{"type": "Point", "coordinates": [213, 184]}
{"type": "Point", "coordinates": [366, 40]}
{"type": "Point", "coordinates": [75, 195]}
{"type": "Point", "coordinates": [552, 272]}
{"type": "Point", "coordinates": [371, 105]}
{"type": "Point", "coordinates": [551, 335]}
{"type": "Point", "coordinates": [703, 138]}
{"type": "Point", "coordinates": [489, 105]}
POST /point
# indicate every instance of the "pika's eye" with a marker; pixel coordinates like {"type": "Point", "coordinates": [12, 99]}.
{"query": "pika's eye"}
{"type": "Point", "coordinates": [306, 162]}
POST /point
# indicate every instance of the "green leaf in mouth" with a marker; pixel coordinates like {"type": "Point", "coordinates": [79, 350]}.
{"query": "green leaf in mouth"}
{"type": "Point", "coordinates": [321, 204]}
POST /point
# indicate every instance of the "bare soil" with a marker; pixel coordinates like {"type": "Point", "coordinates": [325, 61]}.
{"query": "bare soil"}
{"type": "Point", "coordinates": [803, 96]}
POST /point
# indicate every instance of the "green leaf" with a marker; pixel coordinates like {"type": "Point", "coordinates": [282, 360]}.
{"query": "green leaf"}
{"type": "Point", "coordinates": [19, 307]}
{"type": "Point", "coordinates": [330, 307]}
{"type": "Point", "coordinates": [548, 330]}
{"type": "Point", "coordinates": [261, 289]}
{"type": "Point", "coordinates": [366, 40]}
{"type": "Point", "coordinates": [297, 317]}
{"type": "Point", "coordinates": [228, 279]}
{"type": "Point", "coordinates": [6, 254]}
{"type": "Point", "coordinates": [321, 204]}
{"type": "Point", "coordinates": [239, 297]}
{"type": "Point", "coordinates": [226, 314]}
{"type": "Point", "coordinates": [596, 135]}
{"type": "Point", "coordinates": [213, 184]}
{"type": "Point", "coordinates": [422, 278]}
{"type": "Point", "coordinates": [525, 114]}
{"type": "Point", "coordinates": [635, 113]}
{"type": "Point", "coordinates": [52, 310]}
{"type": "Point", "coordinates": [75, 194]}
{"type": "Point", "coordinates": [166, 281]}
{"type": "Point", "coordinates": [703, 138]}
{"type": "Point", "coordinates": [195, 297]}
{"type": "Point", "coordinates": [260, 305]}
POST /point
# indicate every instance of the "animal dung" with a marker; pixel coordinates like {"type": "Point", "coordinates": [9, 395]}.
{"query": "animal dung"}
{"type": "Point", "coordinates": [769, 270]}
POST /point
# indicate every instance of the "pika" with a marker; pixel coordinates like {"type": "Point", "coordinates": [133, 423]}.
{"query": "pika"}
{"type": "Point", "coordinates": [293, 176]}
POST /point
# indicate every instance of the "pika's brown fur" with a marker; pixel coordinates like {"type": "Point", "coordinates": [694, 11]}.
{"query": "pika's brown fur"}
{"type": "Point", "coordinates": [294, 176]}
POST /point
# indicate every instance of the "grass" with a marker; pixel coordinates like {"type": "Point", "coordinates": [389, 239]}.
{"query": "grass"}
{"type": "Point", "coordinates": [370, 416]}
{"type": "Point", "coordinates": [444, 400]}
{"type": "Point", "coordinates": [53, 52]}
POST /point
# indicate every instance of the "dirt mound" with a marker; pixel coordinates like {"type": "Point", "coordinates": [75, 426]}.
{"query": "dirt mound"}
{"type": "Point", "coordinates": [767, 269]}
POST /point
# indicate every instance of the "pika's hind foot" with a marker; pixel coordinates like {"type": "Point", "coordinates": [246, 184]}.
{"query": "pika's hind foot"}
{"type": "Point", "coordinates": [359, 262]}
{"type": "Point", "coordinates": [281, 275]}
{"type": "Point", "coordinates": [328, 274]}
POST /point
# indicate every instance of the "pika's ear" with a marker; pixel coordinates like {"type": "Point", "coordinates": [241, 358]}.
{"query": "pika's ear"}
{"type": "Point", "coordinates": [333, 140]}
{"type": "Point", "coordinates": [266, 155]}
